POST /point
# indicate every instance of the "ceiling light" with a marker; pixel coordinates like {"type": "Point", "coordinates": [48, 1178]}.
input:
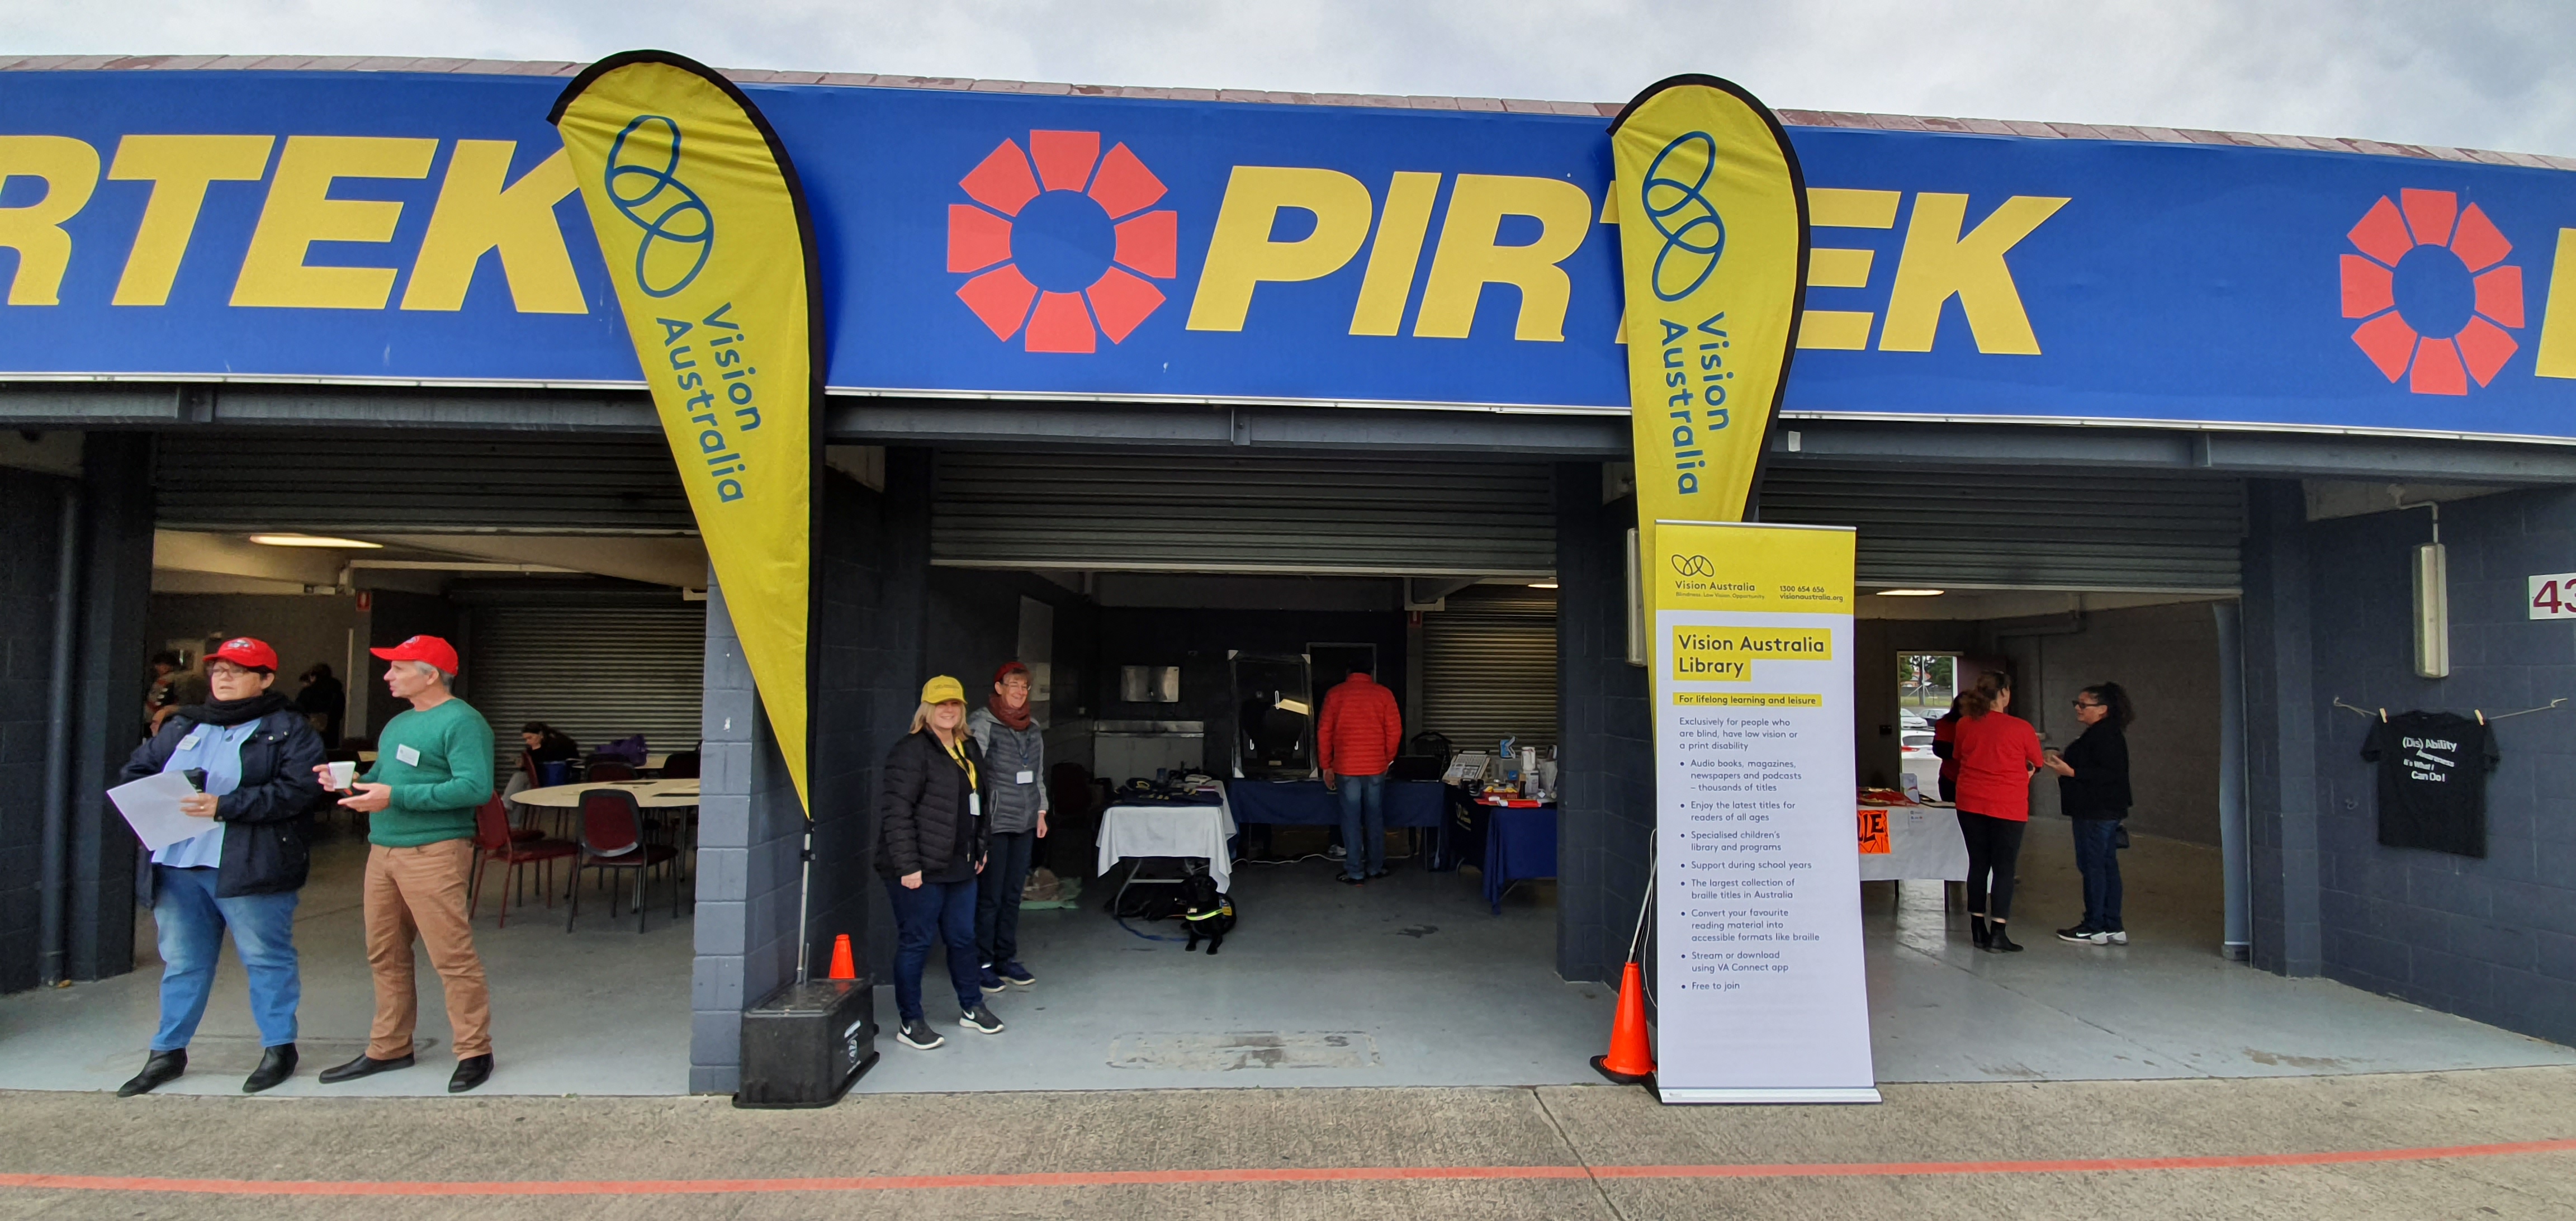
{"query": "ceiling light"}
{"type": "Point", "coordinates": [311, 540]}
{"type": "Point", "coordinates": [1542, 584]}
{"type": "Point", "coordinates": [1910, 593]}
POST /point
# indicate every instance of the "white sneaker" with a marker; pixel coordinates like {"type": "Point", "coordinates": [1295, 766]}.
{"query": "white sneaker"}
{"type": "Point", "coordinates": [2116, 938]}
{"type": "Point", "coordinates": [1335, 852]}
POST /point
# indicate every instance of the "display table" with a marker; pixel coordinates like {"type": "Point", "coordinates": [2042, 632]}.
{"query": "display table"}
{"type": "Point", "coordinates": [650, 794]}
{"type": "Point", "coordinates": [1520, 844]}
{"type": "Point", "coordinates": [1129, 832]}
{"type": "Point", "coordinates": [1307, 803]}
{"type": "Point", "coordinates": [1922, 843]}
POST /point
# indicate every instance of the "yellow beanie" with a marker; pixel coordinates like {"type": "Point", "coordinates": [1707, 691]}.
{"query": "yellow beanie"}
{"type": "Point", "coordinates": [943, 690]}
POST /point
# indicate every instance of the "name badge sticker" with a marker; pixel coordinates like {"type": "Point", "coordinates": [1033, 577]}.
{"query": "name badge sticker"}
{"type": "Point", "coordinates": [190, 742]}
{"type": "Point", "coordinates": [1025, 777]}
{"type": "Point", "coordinates": [409, 756]}
{"type": "Point", "coordinates": [974, 805]}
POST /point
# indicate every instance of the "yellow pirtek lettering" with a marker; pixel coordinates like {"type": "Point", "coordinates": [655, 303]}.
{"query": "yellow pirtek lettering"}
{"type": "Point", "coordinates": [476, 214]}
{"type": "Point", "coordinates": [1468, 259]}
{"type": "Point", "coordinates": [1241, 254]}
{"type": "Point", "coordinates": [70, 170]}
{"type": "Point", "coordinates": [1834, 267]}
{"type": "Point", "coordinates": [1938, 264]}
{"type": "Point", "coordinates": [179, 169]}
{"type": "Point", "coordinates": [1401, 227]}
{"type": "Point", "coordinates": [2557, 354]}
{"type": "Point", "coordinates": [300, 212]}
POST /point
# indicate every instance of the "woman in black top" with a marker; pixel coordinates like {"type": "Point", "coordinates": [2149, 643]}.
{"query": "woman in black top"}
{"type": "Point", "coordinates": [2093, 789]}
{"type": "Point", "coordinates": [930, 846]}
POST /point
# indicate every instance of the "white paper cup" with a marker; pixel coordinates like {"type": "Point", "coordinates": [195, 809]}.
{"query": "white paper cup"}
{"type": "Point", "coordinates": [342, 776]}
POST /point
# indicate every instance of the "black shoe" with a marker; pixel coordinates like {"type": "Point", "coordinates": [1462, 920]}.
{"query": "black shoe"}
{"type": "Point", "coordinates": [1379, 874]}
{"type": "Point", "coordinates": [470, 1072]}
{"type": "Point", "coordinates": [1978, 931]}
{"type": "Point", "coordinates": [1999, 942]}
{"type": "Point", "coordinates": [363, 1066]}
{"type": "Point", "coordinates": [980, 1019]}
{"type": "Point", "coordinates": [918, 1035]}
{"type": "Point", "coordinates": [2081, 934]}
{"type": "Point", "coordinates": [1348, 880]}
{"type": "Point", "coordinates": [276, 1064]}
{"type": "Point", "coordinates": [161, 1069]}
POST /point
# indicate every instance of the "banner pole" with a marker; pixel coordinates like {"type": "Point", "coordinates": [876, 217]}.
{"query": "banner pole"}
{"type": "Point", "coordinates": [804, 903]}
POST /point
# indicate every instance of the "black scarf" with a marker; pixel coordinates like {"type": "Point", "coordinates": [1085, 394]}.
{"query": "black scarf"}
{"type": "Point", "coordinates": [236, 712]}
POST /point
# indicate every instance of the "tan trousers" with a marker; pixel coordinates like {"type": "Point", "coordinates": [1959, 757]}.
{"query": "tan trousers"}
{"type": "Point", "coordinates": [421, 892]}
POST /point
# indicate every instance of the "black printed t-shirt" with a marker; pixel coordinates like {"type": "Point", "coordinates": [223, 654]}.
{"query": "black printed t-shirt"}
{"type": "Point", "coordinates": [2433, 781]}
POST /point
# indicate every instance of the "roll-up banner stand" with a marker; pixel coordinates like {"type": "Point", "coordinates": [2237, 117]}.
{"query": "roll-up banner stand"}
{"type": "Point", "coordinates": [1762, 994]}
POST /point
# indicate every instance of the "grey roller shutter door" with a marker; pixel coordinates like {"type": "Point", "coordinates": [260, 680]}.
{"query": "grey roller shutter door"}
{"type": "Point", "coordinates": [520, 483]}
{"type": "Point", "coordinates": [1178, 513]}
{"type": "Point", "coordinates": [595, 672]}
{"type": "Point", "coordinates": [1489, 668]}
{"type": "Point", "coordinates": [2052, 529]}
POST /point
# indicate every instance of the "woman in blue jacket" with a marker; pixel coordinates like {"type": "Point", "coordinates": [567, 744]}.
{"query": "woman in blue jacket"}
{"type": "Point", "coordinates": [256, 753]}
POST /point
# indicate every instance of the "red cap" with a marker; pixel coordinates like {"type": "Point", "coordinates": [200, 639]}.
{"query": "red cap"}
{"type": "Point", "coordinates": [244, 651]}
{"type": "Point", "coordinates": [1008, 669]}
{"type": "Point", "coordinates": [430, 649]}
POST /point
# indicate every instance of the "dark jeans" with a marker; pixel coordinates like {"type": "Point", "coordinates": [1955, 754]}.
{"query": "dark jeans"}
{"type": "Point", "coordinates": [1994, 847]}
{"type": "Point", "coordinates": [2099, 862]}
{"type": "Point", "coordinates": [997, 898]}
{"type": "Point", "coordinates": [937, 911]}
{"type": "Point", "coordinates": [1363, 823]}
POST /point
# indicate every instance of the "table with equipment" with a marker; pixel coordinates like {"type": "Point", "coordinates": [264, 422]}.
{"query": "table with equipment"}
{"type": "Point", "coordinates": [1512, 839]}
{"type": "Point", "coordinates": [1135, 830]}
{"type": "Point", "coordinates": [1307, 803]}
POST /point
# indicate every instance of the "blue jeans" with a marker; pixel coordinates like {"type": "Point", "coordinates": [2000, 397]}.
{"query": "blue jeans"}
{"type": "Point", "coordinates": [937, 911]}
{"type": "Point", "coordinates": [1363, 823]}
{"type": "Point", "coordinates": [2099, 862]}
{"type": "Point", "coordinates": [997, 896]}
{"type": "Point", "coordinates": [192, 921]}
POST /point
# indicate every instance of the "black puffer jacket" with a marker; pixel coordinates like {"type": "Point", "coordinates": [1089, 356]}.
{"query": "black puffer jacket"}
{"type": "Point", "coordinates": [265, 850]}
{"type": "Point", "coordinates": [923, 819]}
{"type": "Point", "coordinates": [2100, 786]}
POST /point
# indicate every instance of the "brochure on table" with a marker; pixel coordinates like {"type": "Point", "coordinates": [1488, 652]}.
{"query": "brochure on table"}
{"type": "Point", "coordinates": [1761, 987]}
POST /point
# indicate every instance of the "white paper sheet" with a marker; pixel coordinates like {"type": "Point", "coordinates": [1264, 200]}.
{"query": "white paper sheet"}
{"type": "Point", "coordinates": [151, 807]}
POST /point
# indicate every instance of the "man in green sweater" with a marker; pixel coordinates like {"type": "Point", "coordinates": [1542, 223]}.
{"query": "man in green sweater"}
{"type": "Point", "coordinates": [433, 769]}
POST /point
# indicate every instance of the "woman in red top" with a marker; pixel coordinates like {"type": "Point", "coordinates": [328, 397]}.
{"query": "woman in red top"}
{"type": "Point", "coordinates": [1997, 754]}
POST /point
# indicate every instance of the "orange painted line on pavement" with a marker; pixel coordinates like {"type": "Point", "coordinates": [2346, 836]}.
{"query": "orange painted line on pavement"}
{"type": "Point", "coordinates": [1342, 1174]}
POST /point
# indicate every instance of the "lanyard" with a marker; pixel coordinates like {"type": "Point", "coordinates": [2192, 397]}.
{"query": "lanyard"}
{"type": "Point", "coordinates": [957, 751]}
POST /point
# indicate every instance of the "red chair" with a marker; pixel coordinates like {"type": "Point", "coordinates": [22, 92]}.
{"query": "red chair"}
{"type": "Point", "coordinates": [495, 840]}
{"type": "Point", "coordinates": [612, 839]}
{"type": "Point", "coordinates": [604, 771]}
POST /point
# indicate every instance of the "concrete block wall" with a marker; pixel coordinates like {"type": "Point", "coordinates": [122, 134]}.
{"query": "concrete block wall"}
{"type": "Point", "coordinates": [31, 504]}
{"type": "Point", "coordinates": [2490, 938]}
{"type": "Point", "coordinates": [116, 595]}
{"type": "Point", "coordinates": [870, 589]}
{"type": "Point", "coordinates": [1606, 810]}
{"type": "Point", "coordinates": [2283, 713]}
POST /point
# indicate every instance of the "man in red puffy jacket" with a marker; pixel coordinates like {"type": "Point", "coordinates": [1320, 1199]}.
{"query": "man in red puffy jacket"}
{"type": "Point", "coordinates": [1355, 741]}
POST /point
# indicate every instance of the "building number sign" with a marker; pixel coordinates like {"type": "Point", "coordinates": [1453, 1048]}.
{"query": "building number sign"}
{"type": "Point", "coordinates": [2553, 596]}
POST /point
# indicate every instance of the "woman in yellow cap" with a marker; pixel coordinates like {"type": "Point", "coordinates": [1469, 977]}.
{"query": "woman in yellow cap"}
{"type": "Point", "coordinates": [930, 846]}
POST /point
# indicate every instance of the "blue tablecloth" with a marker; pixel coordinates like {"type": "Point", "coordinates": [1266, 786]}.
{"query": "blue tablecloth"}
{"type": "Point", "coordinates": [1307, 803]}
{"type": "Point", "coordinates": [1519, 844]}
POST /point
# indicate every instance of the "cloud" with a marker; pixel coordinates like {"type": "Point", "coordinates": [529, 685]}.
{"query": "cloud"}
{"type": "Point", "coordinates": [2463, 75]}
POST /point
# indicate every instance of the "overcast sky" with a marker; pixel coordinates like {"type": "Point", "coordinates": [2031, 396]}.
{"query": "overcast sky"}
{"type": "Point", "coordinates": [2461, 73]}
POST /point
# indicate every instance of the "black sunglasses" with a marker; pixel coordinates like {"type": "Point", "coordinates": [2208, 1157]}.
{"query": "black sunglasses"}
{"type": "Point", "coordinates": [2082, 704]}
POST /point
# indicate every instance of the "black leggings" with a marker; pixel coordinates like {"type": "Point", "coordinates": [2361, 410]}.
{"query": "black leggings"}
{"type": "Point", "coordinates": [1994, 846]}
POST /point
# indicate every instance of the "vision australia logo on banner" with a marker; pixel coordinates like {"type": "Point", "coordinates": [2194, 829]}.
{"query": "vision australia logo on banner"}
{"type": "Point", "coordinates": [706, 236]}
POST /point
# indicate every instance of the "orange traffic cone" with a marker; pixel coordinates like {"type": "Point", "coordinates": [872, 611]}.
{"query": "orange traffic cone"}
{"type": "Point", "coordinates": [1631, 1059]}
{"type": "Point", "coordinates": [843, 969]}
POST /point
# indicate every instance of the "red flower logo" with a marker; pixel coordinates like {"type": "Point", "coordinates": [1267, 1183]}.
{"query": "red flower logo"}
{"type": "Point", "coordinates": [1071, 233]}
{"type": "Point", "coordinates": [2432, 283]}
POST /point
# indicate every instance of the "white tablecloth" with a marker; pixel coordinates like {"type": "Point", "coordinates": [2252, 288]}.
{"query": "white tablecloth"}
{"type": "Point", "coordinates": [1127, 832]}
{"type": "Point", "coordinates": [1923, 842]}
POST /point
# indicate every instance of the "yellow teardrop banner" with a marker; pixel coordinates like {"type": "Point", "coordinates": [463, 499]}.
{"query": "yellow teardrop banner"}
{"type": "Point", "coordinates": [704, 228]}
{"type": "Point", "coordinates": [1713, 256]}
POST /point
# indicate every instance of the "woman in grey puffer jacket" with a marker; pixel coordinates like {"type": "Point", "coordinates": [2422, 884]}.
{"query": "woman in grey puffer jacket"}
{"type": "Point", "coordinates": [1015, 809]}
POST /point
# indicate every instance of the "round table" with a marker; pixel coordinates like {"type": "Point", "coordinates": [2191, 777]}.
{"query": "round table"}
{"type": "Point", "coordinates": [650, 794]}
